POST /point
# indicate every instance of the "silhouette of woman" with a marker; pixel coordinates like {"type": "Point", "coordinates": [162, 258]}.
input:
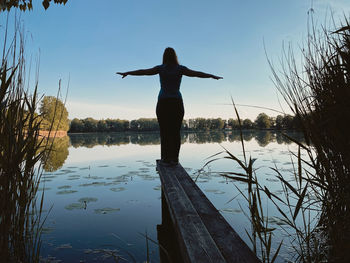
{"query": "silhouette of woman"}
{"type": "Point", "coordinates": [170, 110]}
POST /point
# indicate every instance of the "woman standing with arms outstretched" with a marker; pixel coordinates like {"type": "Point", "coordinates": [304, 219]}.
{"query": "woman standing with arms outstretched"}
{"type": "Point", "coordinates": [170, 110]}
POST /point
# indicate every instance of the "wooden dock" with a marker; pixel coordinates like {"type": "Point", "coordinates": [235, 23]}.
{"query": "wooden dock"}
{"type": "Point", "coordinates": [201, 232]}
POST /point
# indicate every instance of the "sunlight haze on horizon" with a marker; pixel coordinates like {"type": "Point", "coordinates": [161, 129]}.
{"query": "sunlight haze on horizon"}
{"type": "Point", "coordinates": [85, 44]}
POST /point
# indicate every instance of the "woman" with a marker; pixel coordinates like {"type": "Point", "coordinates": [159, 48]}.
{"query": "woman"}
{"type": "Point", "coordinates": [170, 110]}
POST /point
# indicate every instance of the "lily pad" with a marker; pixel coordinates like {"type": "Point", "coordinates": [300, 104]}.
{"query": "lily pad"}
{"type": "Point", "coordinates": [117, 189]}
{"type": "Point", "coordinates": [73, 178]}
{"type": "Point", "coordinates": [67, 171]}
{"type": "Point", "coordinates": [93, 184]}
{"type": "Point", "coordinates": [45, 180]}
{"type": "Point", "coordinates": [157, 188]}
{"type": "Point", "coordinates": [64, 192]}
{"type": "Point", "coordinates": [64, 246]}
{"type": "Point", "coordinates": [47, 230]}
{"type": "Point", "coordinates": [272, 179]}
{"type": "Point", "coordinates": [148, 177]}
{"type": "Point", "coordinates": [48, 176]}
{"type": "Point", "coordinates": [74, 206]}
{"type": "Point", "coordinates": [93, 177]}
{"type": "Point", "coordinates": [215, 191]}
{"type": "Point", "coordinates": [87, 199]}
{"type": "Point", "coordinates": [64, 187]}
{"type": "Point", "coordinates": [231, 211]}
{"type": "Point", "coordinates": [106, 210]}
{"type": "Point", "coordinates": [73, 175]}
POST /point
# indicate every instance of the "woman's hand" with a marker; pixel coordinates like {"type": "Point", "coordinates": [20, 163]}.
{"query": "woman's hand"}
{"type": "Point", "coordinates": [124, 74]}
{"type": "Point", "coordinates": [216, 77]}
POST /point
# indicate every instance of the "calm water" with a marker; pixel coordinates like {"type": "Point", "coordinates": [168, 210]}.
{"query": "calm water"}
{"type": "Point", "coordinates": [102, 193]}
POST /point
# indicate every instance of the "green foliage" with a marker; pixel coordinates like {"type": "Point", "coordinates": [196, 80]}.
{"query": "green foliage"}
{"type": "Point", "coordinates": [54, 114]}
{"type": "Point", "coordinates": [263, 121]}
{"type": "Point", "coordinates": [197, 124]}
{"type": "Point", "coordinates": [144, 124]}
{"type": "Point", "coordinates": [232, 123]}
{"type": "Point", "coordinates": [247, 124]}
{"type": "Point", "coordinates": [202, 124]}
{"type": "Point", "coordinates": [24, 5]}
{"type": "Point", "coordinates": [76, 125]}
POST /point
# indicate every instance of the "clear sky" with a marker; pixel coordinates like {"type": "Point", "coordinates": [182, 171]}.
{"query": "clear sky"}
{"type": "Point", "coordinates": [87, 41]}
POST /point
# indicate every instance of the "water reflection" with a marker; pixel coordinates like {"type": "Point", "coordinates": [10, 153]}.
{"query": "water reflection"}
{"type": "Point", "coordinates": [57, 155]}
{"type": "Point", "coordinates": [102, 188]}
{"type": "Point", "coordinates": [109, 139]}
{"type": "Point", "coordinates": [60, 146]}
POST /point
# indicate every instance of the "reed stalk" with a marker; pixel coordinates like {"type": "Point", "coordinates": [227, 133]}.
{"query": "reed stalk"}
{"type": "Point", "coordinates": [21, 158]}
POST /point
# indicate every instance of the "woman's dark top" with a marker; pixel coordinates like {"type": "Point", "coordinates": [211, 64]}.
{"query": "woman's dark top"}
{"type": "Point", "coordinates": [170, 80]}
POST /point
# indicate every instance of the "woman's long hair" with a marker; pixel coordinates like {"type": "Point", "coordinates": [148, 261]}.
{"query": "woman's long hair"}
{"type": "Point", "coordinates": [170, 57]}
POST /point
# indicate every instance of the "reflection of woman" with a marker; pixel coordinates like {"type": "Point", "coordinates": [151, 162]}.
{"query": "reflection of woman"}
{"type": "Point", "coordinates": [170, 110]}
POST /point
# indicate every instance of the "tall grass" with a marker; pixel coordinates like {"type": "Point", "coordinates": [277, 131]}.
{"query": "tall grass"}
{"type": "Point", "coordinates": [319, 95]}
{"type": "Point", "coordinates": [315, 207]}
{"type": "Point", "coordinates": [21, 155]}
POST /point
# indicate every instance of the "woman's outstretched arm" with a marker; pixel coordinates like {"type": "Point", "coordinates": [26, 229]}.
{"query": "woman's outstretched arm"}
{"type": "Point", "coordinates": [140, 72]}
{"type": "Point", "coordinates": [192, 73]}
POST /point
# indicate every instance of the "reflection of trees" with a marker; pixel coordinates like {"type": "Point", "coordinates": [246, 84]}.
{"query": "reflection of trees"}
{"type": "Point", "coordinates": [235, 135]}
{"type": "Point", "coordinates": [248, 135]}
{"type": "Point", "coordinates": [145, 138]}
{"type": "Point", "coordinates": [280, 138]}
{"type": "Point", "coordinates": [206, 137]}
{"type": "Point", "coordinates": [152, 138]}
{"type": "Point", "coordinates": [93, 139]}
{"type": "Point", "coordinates": [263, 138]}
{"type": "Point", "coordinates": [58, 154]}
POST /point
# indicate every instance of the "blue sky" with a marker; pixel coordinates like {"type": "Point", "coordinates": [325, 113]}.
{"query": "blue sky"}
{"type": "Point", "coordinates": [87, 41]}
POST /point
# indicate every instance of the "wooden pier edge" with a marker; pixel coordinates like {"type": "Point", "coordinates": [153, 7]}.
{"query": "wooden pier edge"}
{"type": "Point", "coordinates": [202, 232]}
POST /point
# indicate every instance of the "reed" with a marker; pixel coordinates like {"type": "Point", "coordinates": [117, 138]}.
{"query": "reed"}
{"type": "Point", "coordinates": [314, 208]}
{"type": "Point", "coordinates": [21, 157]}
{"type": "Point", "coordinates": [319, 95]}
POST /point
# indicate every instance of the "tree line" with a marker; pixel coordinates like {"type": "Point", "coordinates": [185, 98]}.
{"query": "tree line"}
{"type": "Point", "coordinates": [262, 121]}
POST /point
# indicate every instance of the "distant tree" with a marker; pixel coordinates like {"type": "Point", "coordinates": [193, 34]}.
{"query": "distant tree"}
{"type": "Point", "coordinates": [201, 124]}
{"type": "Point", "coordinates": [147, 124]}
{"type": "Point", "coordinates": [90, 125]}
{"type": "Point", "coordinates": [53, 112]}
{"type": "Point", "coordinates": [263, 121]}
{"type": "Point", "coordinates": [216, 124]}
{"type": "Point", "coordinates": [24, 5]}
{"type": "Point", "coordinates": [248, 124]}
{"type": "Point", "coordinates": [134, 125]}
{"type": "Point", "coordinates": [102, 126]}
{"type": "Point", "coordinates": [184, 125]}
{"type": "Point", "coordinates": [289, 122]}
{"type": "Point", "coordinates": [279, 122]}
{"type": "Point", "coordinates": [233, 123]}
{"type": "Point", "coordinates": [76, 125]}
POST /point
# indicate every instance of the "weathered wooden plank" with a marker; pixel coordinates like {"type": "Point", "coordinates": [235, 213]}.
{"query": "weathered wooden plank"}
{"type": "Point", "coordinates": [232, 247]}
{"type": "Point", "coordinates": [195, 241]}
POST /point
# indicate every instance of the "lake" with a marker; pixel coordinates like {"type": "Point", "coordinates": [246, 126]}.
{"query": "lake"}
{"type": "Point", "coordinates": [102, 194]}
